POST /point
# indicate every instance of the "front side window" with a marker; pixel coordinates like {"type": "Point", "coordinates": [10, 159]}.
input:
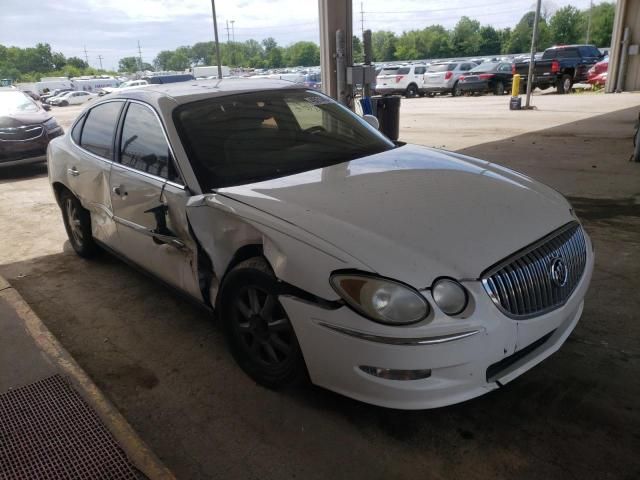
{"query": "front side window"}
{"type": "Point", "coordinates": [143, 145]}
{"type": "Point", "coordinates": [246, 138]}
{"type": "Point", "coordinates": [420, 70]}
{"type": "Point", "coordinates": [99, 127]}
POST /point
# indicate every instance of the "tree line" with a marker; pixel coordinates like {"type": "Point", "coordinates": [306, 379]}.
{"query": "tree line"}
{"type": "Point", "coordinates": [467, 38]}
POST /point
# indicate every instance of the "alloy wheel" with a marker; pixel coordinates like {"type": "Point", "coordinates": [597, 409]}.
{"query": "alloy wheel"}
{"type": "Point", "coordinates": [263, 327]}
{"type": "Point", "coordinates": [73, 219]}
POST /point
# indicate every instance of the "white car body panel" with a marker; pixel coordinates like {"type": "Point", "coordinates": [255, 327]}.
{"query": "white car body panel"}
{"type": "Point", "coordinates": [411, 213]}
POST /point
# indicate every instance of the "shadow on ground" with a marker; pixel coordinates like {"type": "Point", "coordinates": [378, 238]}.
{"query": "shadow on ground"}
{"type": "Point", "coordinates": [22, 172]}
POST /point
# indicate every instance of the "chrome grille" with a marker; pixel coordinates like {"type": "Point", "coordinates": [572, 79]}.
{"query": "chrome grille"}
{"type": "Point", "coordinates": [541, 277]}
{"type": "Point", "coordinates": [21, 134]}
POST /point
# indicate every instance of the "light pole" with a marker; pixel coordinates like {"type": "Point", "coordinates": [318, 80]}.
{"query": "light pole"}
{"type": "Point", "coordinates": [532, 59]}
{"type": "Point", "coordinates": [215, 34]}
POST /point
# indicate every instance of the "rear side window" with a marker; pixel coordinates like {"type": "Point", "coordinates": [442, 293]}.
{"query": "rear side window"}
{"type": "Point", "coordinates": [589, 51]}
{"type": "Point", "coordinates": [143, 145]}
{"type": "Point", "coordinates": [403, 70]}
{"type": "Point", "coordinates": [420, 70]}
{"type": "Point", "coordinates": [465, 67]}
{"type": "Point", "coordinates": [441, 67]}
{"type": "Point", "coordinates": [99, 127]}
{"type": "Point", "coordinates": [77, 130]}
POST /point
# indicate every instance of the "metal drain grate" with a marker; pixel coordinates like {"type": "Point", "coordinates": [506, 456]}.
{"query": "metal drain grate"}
{"type": "Point", "coordinates": [47, 431]}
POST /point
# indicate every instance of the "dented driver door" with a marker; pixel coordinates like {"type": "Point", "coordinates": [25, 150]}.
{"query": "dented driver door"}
{"type": "Point", "coordinates": [149, 202]}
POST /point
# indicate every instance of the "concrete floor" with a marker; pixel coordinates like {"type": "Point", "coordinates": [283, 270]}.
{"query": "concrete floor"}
{"type": "Point", "coordinates": [164, 364]}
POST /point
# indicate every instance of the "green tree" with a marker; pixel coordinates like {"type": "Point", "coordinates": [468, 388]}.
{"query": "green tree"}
{"type": "Point", "coordinates": [358, 50]}
{"type": "Point", "coordinates": [602, 24]}
{"type": "Point", "coordinates": [304, 54]}
{"type": "Point", "coordinates": [178, 61]}
{"type": "Point", "coordinates": [384, 46]}
{"type": "Point", "coordinates": [273, 54]}
{"type": "Point", "coordinates": [465, 37]}
{"type": "Point", "coordinates": [567, 25]}
{"type": "Point", "coordinates": [490, 41]}
{"type": "Point", "coordinates": [129, 64]}
{"type": "Point", "coordinates": [77, 62]}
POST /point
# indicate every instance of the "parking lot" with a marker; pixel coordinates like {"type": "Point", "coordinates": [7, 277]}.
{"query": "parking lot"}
{"type": "Point", "coordinates": [164, 364]}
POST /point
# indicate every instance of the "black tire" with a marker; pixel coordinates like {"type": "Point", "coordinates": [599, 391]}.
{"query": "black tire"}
{"type": "Point", "coordinates": [64, 104]}
{"type": "Point", "coordinates": [260, 335]}
{"type": "Point", "coordinates": [411, 91]}
{"type": "Point", "coordinates": [564, 84]}
{"type": "Point", "coordinates": [455, 91]}
{"type": "Point", "coordinates": [498, 89]}
{"type": "Point", "coordinates": [77, 223]}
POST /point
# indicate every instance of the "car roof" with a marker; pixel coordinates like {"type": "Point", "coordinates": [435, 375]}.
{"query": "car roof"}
{"type": "Point", "coordinates": [193, 90]}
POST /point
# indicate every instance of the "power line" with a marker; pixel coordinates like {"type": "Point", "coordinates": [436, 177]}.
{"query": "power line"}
{"type": "Point", "coordinates": [140, 55]}
{"type": "Point", "coordinates": [413, 12]}
{"type": "Point", "coordinates": [228, 31]}
{"type": "Point", "coordinates": [362, 18]}
{"type": "Point", "coordinates": [86, 55]}
{"type": "Point", "coordinates": [100, 57]}
{"type": "Point", "coordinates": [233, 32]}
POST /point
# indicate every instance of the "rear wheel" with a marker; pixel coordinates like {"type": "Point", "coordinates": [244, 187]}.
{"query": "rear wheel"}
{"type": "Point", "coordinates": [64, 103]}
{"type": "Point", "coordinates": [412, 91]}
{"type": "Point", "coordinates": [77, 223]}
{"type": "Point", "coordinates": [456, 91]}
{"type": "Point", "coordinates": [564, 84]}
{"type": "Point", "coordinates": [257, 327]}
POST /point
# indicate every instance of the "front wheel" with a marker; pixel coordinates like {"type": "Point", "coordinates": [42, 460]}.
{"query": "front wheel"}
{"type": "Point", "coordinates": [257, 327]}
{"type": "Point", "coordinates": [499, 88]}
{"type": "Point", "coordinates": [64, 104]}
{"type": "Point", "coordinates": [456, 91]}
{"type": "Point", "coordinates": [77, 223]}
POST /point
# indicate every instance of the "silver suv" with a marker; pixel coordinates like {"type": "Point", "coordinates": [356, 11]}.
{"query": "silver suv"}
{"type": "Point", "coordinates": [406, 80]}
{"type": "Point", "coordinates": [443, 77]}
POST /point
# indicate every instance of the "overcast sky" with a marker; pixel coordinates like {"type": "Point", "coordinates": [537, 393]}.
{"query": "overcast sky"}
{"type": "Point", "coordinates": [112, 28]}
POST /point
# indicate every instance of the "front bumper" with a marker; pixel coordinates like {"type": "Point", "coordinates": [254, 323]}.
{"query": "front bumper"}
{"type": "Point", "coordinates": [13, 153]}
{"type": "Point", "coordinates": [461, 368]}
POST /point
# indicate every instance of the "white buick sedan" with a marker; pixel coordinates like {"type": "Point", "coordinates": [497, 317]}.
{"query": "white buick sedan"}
{"type": "Point", "coordinates": [398, 275]}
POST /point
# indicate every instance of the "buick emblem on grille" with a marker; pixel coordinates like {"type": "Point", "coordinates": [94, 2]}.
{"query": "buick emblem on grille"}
{"type": "Point", "coordinates": [558, 272]}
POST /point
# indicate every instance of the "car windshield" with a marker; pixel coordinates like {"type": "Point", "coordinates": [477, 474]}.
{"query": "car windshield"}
{"type": "Point", "coordinates": [16, 102]}
{"type": "Point", "coordinates": [484, 67]}
{"type": "Point", "coordinates": [441, 67]}
{"type": "Point", "coordinates": [250, 137]}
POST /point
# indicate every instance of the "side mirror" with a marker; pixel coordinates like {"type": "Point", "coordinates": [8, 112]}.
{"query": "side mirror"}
{"type": "Point", "coordinates": [371, 120]}
{"type": "Point", "coordinates": [46, 107]}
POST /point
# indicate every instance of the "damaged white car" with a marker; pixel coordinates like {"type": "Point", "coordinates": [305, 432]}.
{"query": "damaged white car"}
{"type": "Point", "coordinates": [398, 275]}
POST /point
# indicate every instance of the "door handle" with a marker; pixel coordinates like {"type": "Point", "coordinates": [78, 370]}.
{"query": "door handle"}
{"type": "Point", "coordinates": [120, 191]}
{"type": "Point", "coordinates": [73, 171]}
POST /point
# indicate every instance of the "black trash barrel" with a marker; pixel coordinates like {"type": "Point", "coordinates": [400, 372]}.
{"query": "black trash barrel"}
{"type": "Point", "coordinates": [387, 110]}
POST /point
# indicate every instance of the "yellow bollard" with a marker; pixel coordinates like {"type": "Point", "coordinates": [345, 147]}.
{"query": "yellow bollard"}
{"type": "Point", "coordinates": [515, 87]}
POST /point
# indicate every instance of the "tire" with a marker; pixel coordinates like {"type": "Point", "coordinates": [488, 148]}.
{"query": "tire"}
{"type": "Point", "coordinates": [77, 223]}
{"type": "Point", "coordinates": [455, 91]}
{"type": "Point", "coordinates": [431, 94]}
{"type": "Point", "coordinates": [64, 104]}
{"type": "Point", "coordinates": [258, 330]}
{"type": "Point", "coordinates": [499, 89]}
{"type": "Point", "coordinates": [411, 91]}
{"type": "Point", "coordinates": [564, 84]}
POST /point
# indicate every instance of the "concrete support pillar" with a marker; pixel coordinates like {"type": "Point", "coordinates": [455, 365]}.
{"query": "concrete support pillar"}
{"type": "Point", "coordinates": [334, 15]}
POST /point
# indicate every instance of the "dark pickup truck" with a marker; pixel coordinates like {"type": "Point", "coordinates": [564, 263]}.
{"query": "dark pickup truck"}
{"type": "Point", "coordinates": [560, 66]}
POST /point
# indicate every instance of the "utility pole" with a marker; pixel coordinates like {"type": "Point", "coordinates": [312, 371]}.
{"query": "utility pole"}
{"type": "Point", "coordinates": [589, 21]}
{"type": "Point", "coordinates": [215, 34]}
{"type": "Point", "coordinates": [100, 58]}
{"type": "Point", "coordinates": [362, 19]}
{"type": "Point", "coordinates": [228, 30]}
{"type": "Point", "coordinates": [532, 59]}
{"type": "Point", "coordinates": [140, 55]}
{"type": "Point", "coordinates": [86, 55]}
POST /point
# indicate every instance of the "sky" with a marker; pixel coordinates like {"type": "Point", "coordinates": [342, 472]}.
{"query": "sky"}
{"type": "Point", "coordinates": [112, 28]}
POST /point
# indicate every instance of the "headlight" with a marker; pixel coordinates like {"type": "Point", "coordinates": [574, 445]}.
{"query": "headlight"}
{"type": "Point", "coordinates": [51, 124]}
{"type": "Point", "coordinates": [450, 296]}
{"type": "Point", "coordinates": [379, 299]}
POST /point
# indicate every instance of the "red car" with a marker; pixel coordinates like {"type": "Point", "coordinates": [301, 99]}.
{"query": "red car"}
{"type": "Point", "coordinates": [597, 75]}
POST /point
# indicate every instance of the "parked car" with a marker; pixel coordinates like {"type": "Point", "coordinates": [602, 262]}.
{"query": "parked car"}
{"type": "Point", "coordinates": [407, 80]}
{"type": "Point", "coordinates": [494, 77]}
{"type": "Point", "coordinates": [127, 84]}
{"type": "Point", "coordinates": [597, 75]}
{"type": "Point", "coordinates": [58, 91]}
{"type": "Point", "coordinates": [72, 98]}
{"type": "Point", "coordinates": [443, 77]}
{"type": "Point", "coordinates": [25, 129]}
{"type": "Point", "coordinates": [402, 276]}
{"type": "Point", "coordinates": [313, 80]}
{"type": "Point", "coordinates": [560, 66]}
{"type": "Point", "coordinates": [161, 79]}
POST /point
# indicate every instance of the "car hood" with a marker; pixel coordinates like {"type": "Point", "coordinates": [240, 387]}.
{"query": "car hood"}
{"type": "Point", "coordinates": [19, 119]}
{"type": "Point", "coordinates": [414, 213]}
